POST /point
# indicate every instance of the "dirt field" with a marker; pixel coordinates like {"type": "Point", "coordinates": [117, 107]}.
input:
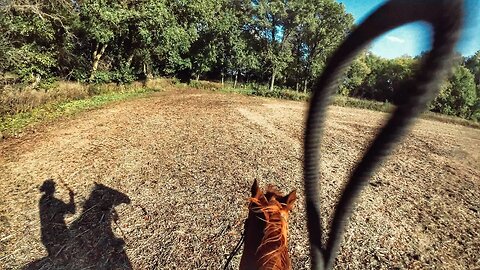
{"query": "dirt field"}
{"type": "Point", "coordinates": [186, 159]}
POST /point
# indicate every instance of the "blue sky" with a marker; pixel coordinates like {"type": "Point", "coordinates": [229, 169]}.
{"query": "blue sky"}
{"type": "Point", "coordinates": [414, 38]}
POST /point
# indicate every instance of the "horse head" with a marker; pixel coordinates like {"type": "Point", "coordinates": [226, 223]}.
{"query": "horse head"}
{"type": "Point", "coordinates": [99, 208]}
{"type": "Point", "coordinates": [266, 229]}
{"type": "Point", "coordinates": [104, 195]}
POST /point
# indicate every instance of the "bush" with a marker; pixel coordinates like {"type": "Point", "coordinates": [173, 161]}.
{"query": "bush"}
{"type": "Point", "coordinates": [362, 103]}
{"type": "Point", "coordinates": [30, 62]}
{"type": "Point", "coordinates": [458, 96]}
{"type": "Point", "coordinates": [206, 85]}
{"type": "Point", "coordinates": [263, 91]}
{"type": "Point", "coordinates": [123, 75]}
{"type": "Point", "coordinates": [176, 81]}
{"type": "Point", "coordinates": [101, 76]}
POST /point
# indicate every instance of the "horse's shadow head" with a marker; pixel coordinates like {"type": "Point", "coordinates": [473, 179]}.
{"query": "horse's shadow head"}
{"type": "Point", "coordinates": [105, 197]}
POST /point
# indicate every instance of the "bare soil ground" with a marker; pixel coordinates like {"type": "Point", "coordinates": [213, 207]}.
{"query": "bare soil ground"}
{"type": "Point", "coordinates": [187, 158]}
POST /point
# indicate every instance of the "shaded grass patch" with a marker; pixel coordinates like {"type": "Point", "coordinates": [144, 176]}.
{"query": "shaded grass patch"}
{"type": "Point", "coordinates": [11, 125]}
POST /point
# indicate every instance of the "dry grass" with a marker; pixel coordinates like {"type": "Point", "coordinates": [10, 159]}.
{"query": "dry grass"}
{"type": "Point", "coordinates": [22, 109]}
{"type": "Point", "coordinates": [15, 100]}
{"type": "Point", "coordinates": [206, 85]}
{"type": "Point", "coordinates": [161, 83]}
{"type": "Point", "coordinates": [187, 160]}
{"type": "Point", "coordinates": [450, 119]}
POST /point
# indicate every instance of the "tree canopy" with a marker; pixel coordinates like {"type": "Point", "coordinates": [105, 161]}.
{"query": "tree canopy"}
{"type": "Point", "coordinates": [271, 42]}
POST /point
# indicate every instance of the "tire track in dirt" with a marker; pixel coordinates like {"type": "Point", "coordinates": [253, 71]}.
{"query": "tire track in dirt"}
{"type": "Point", "coordinates": [269, 128]}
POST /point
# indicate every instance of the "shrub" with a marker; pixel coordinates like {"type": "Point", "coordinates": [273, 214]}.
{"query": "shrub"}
{"type": "Point", "coordinates": [101, 76]}
{"type": "Point", "coordinates": [206, 85]}
{"type": "Point", "coordinates": [160, 83]}
{"type": "Point", "coordinates": [123, 75]}
{"type": "Point", "coordinates": [457, 96]}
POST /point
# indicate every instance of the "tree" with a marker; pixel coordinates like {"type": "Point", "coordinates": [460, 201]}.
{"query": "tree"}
{"type": "Point", "coordinates": [472, 63]}
{"type": "Point", "coordinates": [458, 95]}
{"type": "Point", "coordinates": [233, 55]}
{"type": "Point", "coordinates": [355, 75]}
{"type": "Point", "coordinates": [386, 79]}
{"type": "Point", "coordinates": [35, 37]}
{"type": "Point", "coordinates": [200, 18]}
{"type": "Point", "coordinates": [155, 39]}
{"type": "Point", "coordinates": [271, 24]}
{"type": "Point", "coordinates": [102, 21]}
{"type": "Point", "coordinates": [320, 26]}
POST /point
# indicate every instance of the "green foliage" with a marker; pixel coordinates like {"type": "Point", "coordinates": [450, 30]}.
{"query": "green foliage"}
{"type": "Point", "coordinates": [283, 44]}
{"type": "Point", "coordinates": [263, 91]}
{"type": "Point", "coordinates": [123, 75]}
{"type": "Point", "coordinates": [472, 63]}
{"type": "Point", "coordinates": [385, 79]}
{"type": "Point", "coordinates": [372, 77]}
{"type": "Point", "coordinates": [33, 37]}
{"type": "Point", "coordinates": [320, 26]}
{"type": "Point", "coordinates": [103, 20]}
{"type": "Point", "coordinates": [457, 96]}
{"type": "Point", "coordinates": [27, 61]}
{"type": "Point", "coordinates": [362, 104]}
{"type": "Point", "coordinates": [101, 77]}
{"type": "Point", "coordinates": [355, 76]}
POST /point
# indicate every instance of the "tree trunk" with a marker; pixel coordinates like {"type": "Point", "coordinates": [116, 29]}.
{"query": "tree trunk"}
{"type": "Point", "coordinates": [97, 55]}
{"type": "Point", "coordinates": [147, 74]}
{"type": "Point", "coordinates": [129, 60]}
{"type": "Point", "coordinates": [197, 78]}
{"type": "Point", "coordinates": [223, 79]}
{"type": "Point", "coordinates": [236, 79]}
{"type": "Point", "coordinates": [305, 83]}
{"type": "Point", "coordinates": [296, 86]}
{"type": "Point", "coordinates": [272, 83]}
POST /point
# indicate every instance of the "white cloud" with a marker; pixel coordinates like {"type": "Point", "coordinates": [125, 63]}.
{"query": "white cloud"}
{"type": "Point", "coordinates": [395, 39]}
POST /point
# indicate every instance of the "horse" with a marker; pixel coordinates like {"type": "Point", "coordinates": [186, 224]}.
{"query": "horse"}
{"type": "Point", "coordinates": [93, 234]}
{"type": "Point", "coordinates": [89, 242]}
{"type": "Point", "coordinates": [266, 230]}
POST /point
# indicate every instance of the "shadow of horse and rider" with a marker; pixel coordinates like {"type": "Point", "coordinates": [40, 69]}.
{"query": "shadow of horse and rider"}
{"type": "Point", "coordinates": [88, 242]}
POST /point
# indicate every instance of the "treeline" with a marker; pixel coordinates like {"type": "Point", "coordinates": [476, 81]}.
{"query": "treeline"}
{"type": "Point", "coordinates": [373, 77]}
{"type": "Point", "coordinates": [275, 43]}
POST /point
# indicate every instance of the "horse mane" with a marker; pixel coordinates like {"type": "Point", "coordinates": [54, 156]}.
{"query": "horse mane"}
{"type": "Point", "coordinates": [276, 229]}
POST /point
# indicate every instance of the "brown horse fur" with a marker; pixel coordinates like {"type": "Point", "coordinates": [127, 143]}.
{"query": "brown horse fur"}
{"type": "Point", "coordinates": [266, 230]}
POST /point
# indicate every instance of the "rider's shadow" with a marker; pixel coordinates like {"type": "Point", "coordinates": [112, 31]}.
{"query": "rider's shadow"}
{"type": "Point", "coordinates": [89, 242]}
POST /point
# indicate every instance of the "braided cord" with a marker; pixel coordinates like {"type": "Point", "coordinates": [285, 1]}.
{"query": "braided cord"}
{"type": "Point", "coordinates": [445, 16]}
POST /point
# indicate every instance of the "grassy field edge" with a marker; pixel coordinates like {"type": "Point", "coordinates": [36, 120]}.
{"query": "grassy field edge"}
{"type": "Point", "coordinates": [13, 125]}
{"type": "Point", "coordinates": [343, 101]}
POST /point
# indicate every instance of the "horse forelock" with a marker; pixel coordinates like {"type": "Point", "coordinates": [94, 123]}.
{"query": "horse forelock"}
{"type": "Point", "coordinates": [273, 247]}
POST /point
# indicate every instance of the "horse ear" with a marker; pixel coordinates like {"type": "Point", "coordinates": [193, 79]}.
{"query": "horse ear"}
{"type": "Point", "coordinates": [255, 189]}
{"type": "Point", "coordinates": [290, 199]}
